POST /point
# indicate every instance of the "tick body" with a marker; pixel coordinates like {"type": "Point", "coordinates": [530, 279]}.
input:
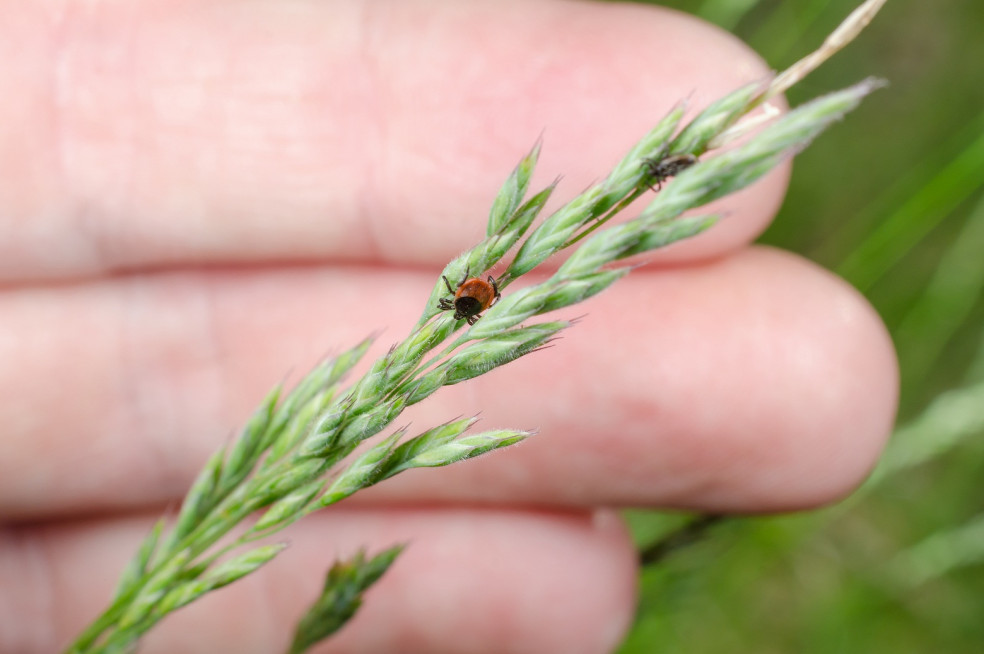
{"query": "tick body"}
{"type": "Point", "coordinates": [661, 169]}
{"type": "Point", "coordinates": [471, 298]}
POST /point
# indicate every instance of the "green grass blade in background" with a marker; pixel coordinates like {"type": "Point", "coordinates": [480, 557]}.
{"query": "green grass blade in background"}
{"type": "Point", "coordinates": [948, 301]}
{"type": "Point", "coordinates": [951, 418]}
{"type": "Point", "coordinates": [781, 35]}
{"type": "Point", "coordinates": [927, 206]}
{"type": "Point", "coordinates": [940, 554]}
{"type": "Point", "coordinates": [726, 13]}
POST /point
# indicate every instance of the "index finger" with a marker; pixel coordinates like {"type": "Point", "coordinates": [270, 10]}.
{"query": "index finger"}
{"type": "Point", "coordinates": [178, 134]}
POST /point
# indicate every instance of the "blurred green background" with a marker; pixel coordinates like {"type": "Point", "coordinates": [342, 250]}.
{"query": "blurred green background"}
{"type": "Point", "coordinates": [892, 200]}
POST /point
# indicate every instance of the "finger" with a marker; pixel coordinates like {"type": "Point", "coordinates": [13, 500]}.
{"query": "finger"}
{"type": "Point", "coordinates": [183, 133]}
{"type": "Point", "coordinates": [468, 580]}
{"type": "Point", "coordinates": [758, 383]}
{"type": "Point", "coordinates": [754, 383]}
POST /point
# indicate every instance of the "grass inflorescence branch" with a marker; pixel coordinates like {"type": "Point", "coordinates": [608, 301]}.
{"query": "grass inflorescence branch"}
{"type": "Point", "coordinates": [310, 448]}
{"type": "Point", "coordinates": [340, 597]}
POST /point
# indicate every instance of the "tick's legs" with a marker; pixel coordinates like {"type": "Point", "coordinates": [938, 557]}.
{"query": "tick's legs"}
{"type": "Point", "coordinates": [655, 170]}
{"type": "Point", "coordinates": [495, 287]}
{"type": "Point", "coordinates": [448, 284]}
{"type": "Point", "coordinates": [665, 167]}
{"type": "Point", "coordinates": [473, 319]}
{"type": "Point", "coordinates": [445, 304]}
{"type": "Point", "coordinates": [463, 279]}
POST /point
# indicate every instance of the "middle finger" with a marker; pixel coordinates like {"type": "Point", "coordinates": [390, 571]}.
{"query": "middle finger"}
{"type": "Point", "coordinates": [688, 387]}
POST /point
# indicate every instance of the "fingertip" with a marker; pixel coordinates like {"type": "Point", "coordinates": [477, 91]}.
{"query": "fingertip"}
{"type": "Point", "coordinates": [858, 383]}
{"type": "Point", "coordinates": [838, 377]}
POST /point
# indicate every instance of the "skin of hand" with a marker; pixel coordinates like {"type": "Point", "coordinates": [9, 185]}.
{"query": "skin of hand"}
{"type": "Point", "coordinates": [198, 196]}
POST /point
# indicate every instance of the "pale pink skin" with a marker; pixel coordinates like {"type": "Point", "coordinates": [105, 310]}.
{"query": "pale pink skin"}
{"type": "Point", "coordinates": [190, 190]}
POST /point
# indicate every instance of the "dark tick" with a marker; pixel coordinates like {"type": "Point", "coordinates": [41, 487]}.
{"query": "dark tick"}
{"type": "Point", "coordinates": [662, 168]}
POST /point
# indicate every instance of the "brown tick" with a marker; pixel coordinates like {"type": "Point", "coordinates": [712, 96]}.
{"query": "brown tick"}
{"type": "Point", "coordinates": [472, 297]}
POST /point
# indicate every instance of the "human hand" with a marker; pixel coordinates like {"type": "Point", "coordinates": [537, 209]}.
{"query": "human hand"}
{"type": "Point", "coordinates": [197, 197]}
